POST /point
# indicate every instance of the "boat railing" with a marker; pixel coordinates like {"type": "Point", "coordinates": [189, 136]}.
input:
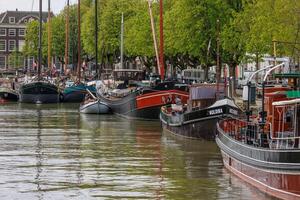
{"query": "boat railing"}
{"type": "Point", "coordinates": [257, 134]}
{"type": "Point", "coordinates": [252, 133]}
{"type": "Point", "coordinates": [284, 140]}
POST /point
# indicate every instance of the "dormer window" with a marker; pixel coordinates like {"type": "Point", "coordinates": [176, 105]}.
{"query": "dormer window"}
{"type": "Point", "coordinates": [12, 20]}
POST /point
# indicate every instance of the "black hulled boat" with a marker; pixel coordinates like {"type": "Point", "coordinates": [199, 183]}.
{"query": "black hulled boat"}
{"type": "Point", "coordinates": [145, 102]}
{"type": "Point", "coordinates": [8, 95]}
{"type": "Point", "coordinates": [197, 123]}
{"type": "Point", "coordinates": [40, 90]}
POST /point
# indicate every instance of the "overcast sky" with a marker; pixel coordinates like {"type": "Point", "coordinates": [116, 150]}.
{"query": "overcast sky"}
{"type": "Point", "coordinates": [28, 5]}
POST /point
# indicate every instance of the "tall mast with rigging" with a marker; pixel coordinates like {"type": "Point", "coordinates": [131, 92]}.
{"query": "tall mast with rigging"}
{"type": "Point", "coordinates": [40, 40]}
{"type": "Point", "coordinates": [218, 70]}
{"type": "Point", "coordinates": [67, 37]}
{"type": "Point", "coordinates": [79, 45]}
{"type": "Point", "coordinates": [122, 41]}
{"type": "Point", "coordinates": [49, 38]}
{"type": "Point", "coordinates": [161, 49]}
{"type": "Point", "coordinates": [154, 35]}
{"type": "Point", "coordinates": [96, 39]}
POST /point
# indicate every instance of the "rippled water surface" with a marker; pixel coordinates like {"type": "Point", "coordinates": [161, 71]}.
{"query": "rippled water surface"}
{"type": "Point", "coordinates": [53, 152]}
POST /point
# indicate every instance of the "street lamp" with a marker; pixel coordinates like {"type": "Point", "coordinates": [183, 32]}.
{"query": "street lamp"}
{"type": "Point", "coordinates": [249, 85]}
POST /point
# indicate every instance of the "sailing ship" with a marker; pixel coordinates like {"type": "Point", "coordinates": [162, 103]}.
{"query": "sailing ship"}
{"type": "Point", "coordinates": [92, 104]}
{"type": "Point", "coordinates": [198, 119]}
{"type": "Point", "coordinates": [145, 102]}
{"type": "Point", "coordinates": [77, 91]}
{"type": "Point", "coordinates": [39, 90]}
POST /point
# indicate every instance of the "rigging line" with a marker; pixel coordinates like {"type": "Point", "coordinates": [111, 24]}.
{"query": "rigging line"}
{"type": "Point", "coordinates": [32, 5]}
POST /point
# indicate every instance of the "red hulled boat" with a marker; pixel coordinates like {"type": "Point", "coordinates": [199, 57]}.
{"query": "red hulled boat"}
{"type": "Point", "coordinates": [266, 155]}
{"type": "Point", "coordinates": [145, 102]}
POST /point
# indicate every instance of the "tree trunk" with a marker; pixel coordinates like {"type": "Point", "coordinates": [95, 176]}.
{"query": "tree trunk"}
{"type": "Point", "coordinates": [232, 69]}
{"type": "Point", "coordinates": [257, 66]}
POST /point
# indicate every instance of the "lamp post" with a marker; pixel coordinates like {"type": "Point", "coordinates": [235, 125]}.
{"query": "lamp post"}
{"type": "Point", "coordinates": [248, 112]}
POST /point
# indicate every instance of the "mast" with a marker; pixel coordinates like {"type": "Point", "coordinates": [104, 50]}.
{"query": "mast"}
{"type": "Point", "coordinates": [154, 36]}
{"type": "Point", "coordinates": [67, 38]}
{"type": "Point", "coordinates": [96, 38]}
{"type": "Point", "coordinates": [40, 41]}
{"type": "Point", "coordinates": [122, 40]}
{"type": "Point", "coordinates": [161, 30]}
{"type": "Point", "coordinates": [218, 70]}
{"type": "Point", "coordinates": [79, 45]}
{"type": "Point", "coordinates": [49, 38]}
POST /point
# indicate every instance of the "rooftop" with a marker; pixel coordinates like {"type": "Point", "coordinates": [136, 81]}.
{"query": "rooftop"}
{"type": "Point", "coordinates": [21, 17]}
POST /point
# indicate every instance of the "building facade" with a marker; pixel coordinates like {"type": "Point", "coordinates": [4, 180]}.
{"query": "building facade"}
{"type": "Point", "coordinates": [12, 35]}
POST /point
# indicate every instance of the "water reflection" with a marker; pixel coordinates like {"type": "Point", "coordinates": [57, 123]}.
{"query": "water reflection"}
{"type": "Point", "coordinates": [39, 154]}
{"type": "Point", "coordinates": [52, 152]}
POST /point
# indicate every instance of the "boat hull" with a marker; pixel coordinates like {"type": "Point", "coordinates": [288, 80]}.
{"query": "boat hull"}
{"type": "Point", "coordinates": [274, 171]}
{"type": "Point", "coordinates": [204, 129]}
{"type": "Point", "coordinates": [144, 106]}
{"type": "Point", "coordinates": [73, 97]}
{"type": "Point", "coordinates": [8, 97]}
{"type": "Point", "coordinates": [281, 184]}
{"type": "Point", "coordinates": [39, 92]}
{"type": "Point", "coordinates": [76, 94]}
{"type": "Point", "coordinates": [197, 123]}
{"type": "Point", "coordinates": [95, 107]}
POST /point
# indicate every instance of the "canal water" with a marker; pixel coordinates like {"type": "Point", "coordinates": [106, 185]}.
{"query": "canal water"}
{"type": "Point", "coordinates": [53, 152]}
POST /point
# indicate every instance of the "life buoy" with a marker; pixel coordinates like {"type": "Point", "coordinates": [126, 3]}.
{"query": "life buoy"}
{"type": "Point", "coordinates": [163, 99]}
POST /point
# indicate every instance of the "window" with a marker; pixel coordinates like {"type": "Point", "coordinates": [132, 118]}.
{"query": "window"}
{"type": "Point", "coordinates": [12, 20]}
{"type": "Point", "coordinates": [2, 45]}
{"type": "Point", "coordinates": [2, 32]}
{"type": "Point", "coordinates": [21, 44]}
{"type": "Point", "coordinates": [22, 32]}
{"type": "Point", "coordinates": [11, 45]}
{"type": "Point", "coordinates": [12, 32]}
{"type": "Point", "coordinates": [2, 61]}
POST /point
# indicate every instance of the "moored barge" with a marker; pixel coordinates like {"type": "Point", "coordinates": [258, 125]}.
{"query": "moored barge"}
{"type": "Point", "coordinates": [144, 103]}
{"type": "Point", "coordinates": [197, 123]}
{"type": "Point", "coordinates": [266, 155]}
{"type": "Point", "coordinates": [197, 119]}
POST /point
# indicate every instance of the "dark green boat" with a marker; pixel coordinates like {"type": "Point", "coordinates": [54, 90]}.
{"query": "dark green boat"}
{"type": "Point", "coordinates": [39, 92]}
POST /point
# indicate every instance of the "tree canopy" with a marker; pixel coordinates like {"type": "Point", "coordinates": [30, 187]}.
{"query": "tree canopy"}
{"type": "Point", "coordinates": [190, 30]}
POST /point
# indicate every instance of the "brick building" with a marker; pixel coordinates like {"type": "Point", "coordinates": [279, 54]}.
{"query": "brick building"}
{"type": "Point", "coordinates": [12, 34]}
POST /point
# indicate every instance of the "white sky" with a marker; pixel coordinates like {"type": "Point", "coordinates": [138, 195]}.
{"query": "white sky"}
{"type": "Point", "coordinates": [28, 5]}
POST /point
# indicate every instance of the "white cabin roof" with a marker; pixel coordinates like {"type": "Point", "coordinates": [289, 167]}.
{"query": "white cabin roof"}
{"type": "Point", "coordinates": [288, 102]}
{"type": "Point", "coordinates": [223, 102]}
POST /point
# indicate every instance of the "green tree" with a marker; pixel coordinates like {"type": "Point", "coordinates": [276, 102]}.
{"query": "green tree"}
{"type": "Point", "coordinates": [16, 59]}
{"type": "Point", "coordinates": [31, 39]}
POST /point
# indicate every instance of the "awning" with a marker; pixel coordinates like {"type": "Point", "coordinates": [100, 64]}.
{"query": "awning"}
{"type": "Point", "coordinates": [287, 75]}
{"type": "Point", "coordinates": [293, 94]}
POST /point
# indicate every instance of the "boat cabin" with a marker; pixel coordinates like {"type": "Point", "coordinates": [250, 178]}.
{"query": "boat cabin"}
{"type": "Point", "coordinates": [285, 124]}
{"type": "Point", "coordinates": [204, 95]}
{"type": "Point", "coordinates": [123, 78]}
